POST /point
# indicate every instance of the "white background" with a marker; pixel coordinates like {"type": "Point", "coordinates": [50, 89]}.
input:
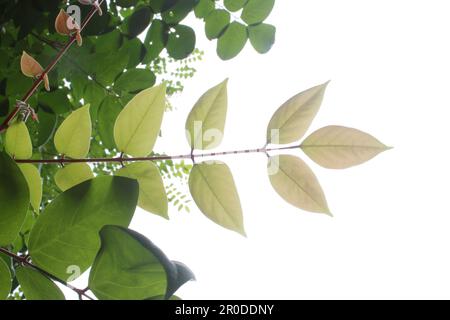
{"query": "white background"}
{"type": "Point", "coordinates": [389, 238]}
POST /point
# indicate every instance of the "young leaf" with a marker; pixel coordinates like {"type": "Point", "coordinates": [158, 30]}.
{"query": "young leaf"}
{"type": "Point", "coordinates": [216, 22]}
{"type": "Point", "coordinates": [296, 183]}
{"type": "Point", "coordinates": [152, 195]}
{"type": "Point", "coordinates": [213, 190]}
{"type": "Point", "coordinates": [73, 136]}
{"type": "Point", "coordinates": [14, 199]}
{"type": "Point", "coordinates": [130, 267]}
{"type": "Point", "coordinates": [5, 280]}
{"type": "Point", "coordinates": [34, 181]}
{"type": "Point", "coordinates": [206, 122]}
{"type": "Point", "coordinates": [66, 233]}
{"type": "Point", "coordinates": [262, 37]}
{"type": "Point", "coordinates": [18, 142]}
{"type": "Point", "coordinates": [36, 286]}
{"type": "Point", "coordinates": [256, 11]}
{"type": "Point", "coordinates": [232, 41]}
{"type": "Point", "coordinates": [336, 147]}
{"type": "Point", "coordinates": [138, 125]}
{"type": "Point", "coordinates": [291, 121]}
{"type": "Point", "coordinates": [31, 68]}
{"type": "Point", "coordinates": [72, 175]}
{"type": "Point", "coordinates": [234, 5]}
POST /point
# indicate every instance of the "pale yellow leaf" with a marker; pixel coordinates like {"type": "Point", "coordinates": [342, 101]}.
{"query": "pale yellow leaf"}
{"type": "Point", "coordinates": [73, 137]}
{"type": "Point", "coordinates": [206, 122]}
{"type": "Point", "coordinates": [138, 124]}
{"type": "Point", "coordinates": [152, 194]}
{"type": "Point", "coordinates": [34, 181]}
{"type": "Point", "coordinates": [18, 142]}
{"type": "Point", "coordinates": [294, 181]}
{"type": "Point", "coordinates": [214, 191]}
{"type": "Point", "coordinates": [72, 175]}
{"type": "Point", "coordinates": [337, 147]}
{"type": "Point", "coordinates": [291, 121]}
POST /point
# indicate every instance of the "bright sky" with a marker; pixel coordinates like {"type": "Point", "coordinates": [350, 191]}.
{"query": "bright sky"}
{"type": "Point", "coordinates": [389, 66]}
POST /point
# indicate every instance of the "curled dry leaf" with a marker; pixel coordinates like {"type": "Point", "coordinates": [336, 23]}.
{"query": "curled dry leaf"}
{"type": "Point", "coordinates": [32, 68]}
{"type": "Point", "coordinates": [66, 25]}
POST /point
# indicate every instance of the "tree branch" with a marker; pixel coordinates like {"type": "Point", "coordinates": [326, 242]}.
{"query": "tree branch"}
{"type": "Point", "coordinates": [122, 159]}
{"type": "Point", "coordinates": [52, 64]}
{"type": "Point", "coordinates": [24, 261]}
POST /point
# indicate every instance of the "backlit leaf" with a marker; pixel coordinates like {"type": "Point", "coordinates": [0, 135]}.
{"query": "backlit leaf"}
{"type": "Point", "coordinates": [294, 181]}
{"type": "Point", "coordinates": [291, 121]}
{"type": "Point", "coordinates": [17, 141]}
{"type": "Point", "coordinates": [337, 147]}
{"type": "Point", "coordinates": [152, 195]}
{"type": "Point", "coordinates": [66, 233]}
{"type": "Point", "coordinates": [232, 41]}
{"type": "Point", "coordinates": [5, 280]}
{"type": "Point", "coordinates": [256, 11]}
{"type": "Point", "coordinates": [214, 191]}
{"type": "Point", "coordinates": [73, 136]}
{"type": "Point", "coordinates": [14, 199]}
{"type": "Point", "coordinates": [262, 37]}
{"type": "Point", "coordinates": [135, 80]}
{"type": "Point", "coordinates": [138, 125]}
{"type": "Point", "coordinates": [203, 8]}
{"type": "Point", "coordinates": [234, 5]}
{"type": "Point", "coordinates": [36, 286]}
{"type": "Point", "coordinates": [216, 22]}
{"type": "Point", "coordinates": [72, 175]}
{"type": "Point", "coordinates": [34, 181]}
{"type": "Point", "coordinates": [205, 124]}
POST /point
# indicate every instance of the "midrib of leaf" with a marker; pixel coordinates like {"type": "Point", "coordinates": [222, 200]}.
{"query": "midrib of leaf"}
{"type": "Point", "coordinates": [72, 133]}
{"type": "Point", "coordinates": [217, 198]}
{"type": "Point", "coordinates": [343, 146]}
{"type": "Point", "coordinates": [300, 187]}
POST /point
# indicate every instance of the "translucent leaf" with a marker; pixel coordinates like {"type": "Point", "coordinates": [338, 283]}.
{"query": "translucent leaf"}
{"type": "Point", "coordinates": [205, 124]}
{"type": "Point", "coordinates": [65, 237]}
{"type": "Point", "coordinates": [5, 280]}
{"type": "Point", "coordinates": [337, 147]}
{"type": "Point", "coordinates": [14, 199]}
{"type": "Point", "coordinates": [138, 125]}
{"type": "Point", "coordinates": [152, 194]}
{"type": "Point", "coordinates": [73, 136]}
{"type": "Point", "coordinates": [216, 22]}
{"type": "Point", "coordinates": [34, 181]}
{"type": "Point", "coordinates": [234, 5]}
{"type": "Point", "coordinates": [36, 286]}
{"type": "Point", "coordinates": [18, 142]}
{"type": "Point", "coordinates": [262, 37]}
{"type": "Point", "coordinates": [256, 11]}
{"type": "Point", "coordinates": [203, 8]}
{"type": "Point", "coordinates": [291, 121]}
{"type": "Point", "coordinates": [232, 41]}
{"type": "Point", "coordinates": [296, 183]}
{"type": "Point", "coordinates": [72, 175]}
{"type": "Point", "coordinates": [213, 190]}
{"type": "Point", "coordinates": [130, 267]}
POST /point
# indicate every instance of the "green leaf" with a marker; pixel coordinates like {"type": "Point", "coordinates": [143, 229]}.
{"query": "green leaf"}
{"type": "Point", "coordinates": [14, 199]}
{"type": "Point", "coordinates": [216, 22]}
{"type": "Point", "coordinates": [336, 147]}
{"type": "Point", "coordinates": [34, 181]}
{"type": "Point", "coordinates": [162, 5]}
{"type": "Point", "coordinates": [126, 3]}
{"type": "Point", "coordinates": [205, 124]}
{"type": "Point", "coordinates": [294, 181]}
{"type": "Point", "coordinates": [234, 5]}
{"type": "Point", "coordinates": [203, 8]}
{"type": "Point", "coordinates": [213, 190]}
{"type": "Point", "coordinates": [232, 41]}
{"type": "Point", "coordinates": [262, 37]}
{"type": "Point", "coordinates": [181, 42]}
{"type": "Point", "coordinates": [138, 21]}
{"type": "Point", "coordinates": [73, 136]}
{"type": "Point", "coordinates": [155, 41]}
{"type": "Point", "coordinates": [17, 141]}
{"type": "Point", "coordinates": [152, 195]}
{"type": "Point", "coordinates": [291, 121]}
{"type": "Point", "coordinates": [136, 52]}
{"type": "Point", "coordinates": [135, 80]}
{"type": "Point", "coordinates": [72, 175]}
{"type": "Point", "coordinates": [107, 114]}
{"type": "Point", "coordinates": [36, 286]}
{"type": "Point", "coordinates": [130, 267]}
{"type": "Point", "coordinates": [256, 11]}
{"type": "Point", "coordinates": [46, 126]}
{"type": "Point", "coordinates": [56, 101]}
{"type": "Point", "coordinates": [179, 11]}
{"type": "Point", "coordinates": [5, 280]}
{"type": "Point", "coordinates": [66, 233]}
{"type": "Point", "coordinates": [138, 124]}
